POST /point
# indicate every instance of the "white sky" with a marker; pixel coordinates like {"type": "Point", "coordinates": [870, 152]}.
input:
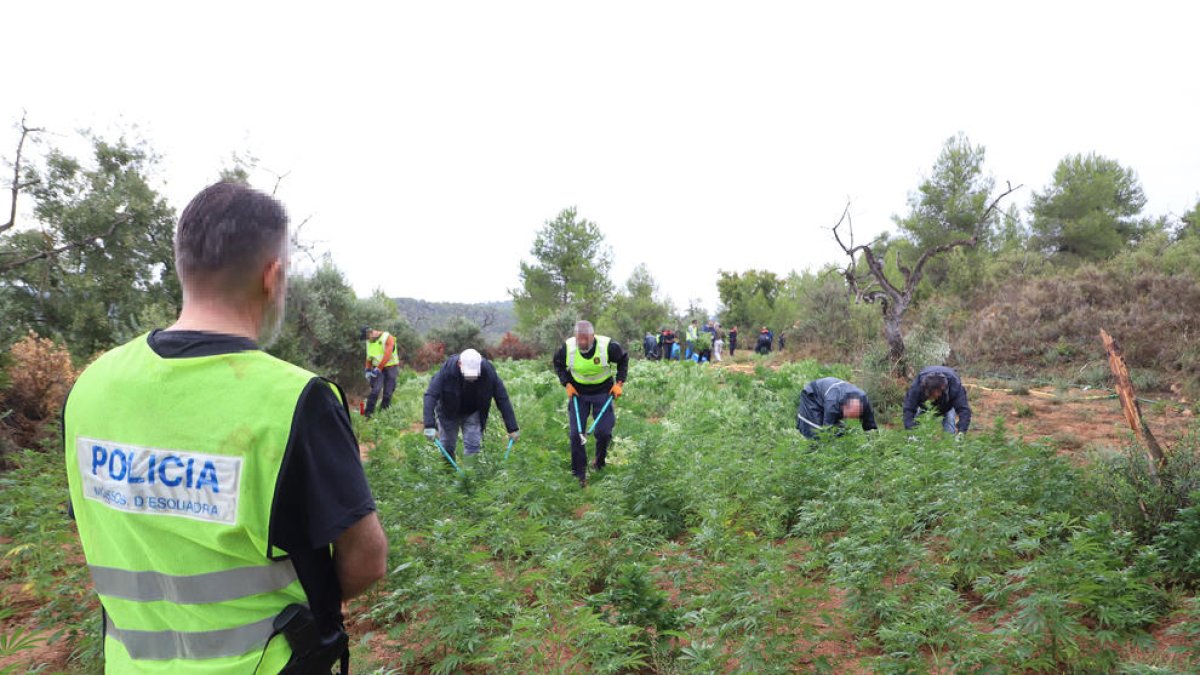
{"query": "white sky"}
{"type": "Point", "coordinates": [429, 141]}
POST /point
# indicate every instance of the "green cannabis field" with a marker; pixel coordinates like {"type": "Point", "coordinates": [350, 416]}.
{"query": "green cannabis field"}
{"type": "Point", "coordinates": [717, 540]}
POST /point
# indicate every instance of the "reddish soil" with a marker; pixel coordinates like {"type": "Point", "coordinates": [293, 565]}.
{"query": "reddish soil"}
{"type": "Point", "coordinates": [1075, 421]}
{"type": "Point", "coordinates": [52, 657]}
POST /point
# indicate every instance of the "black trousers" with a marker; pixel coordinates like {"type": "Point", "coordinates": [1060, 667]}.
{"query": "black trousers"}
{"type": "Point", "coordinates": [385, 382]}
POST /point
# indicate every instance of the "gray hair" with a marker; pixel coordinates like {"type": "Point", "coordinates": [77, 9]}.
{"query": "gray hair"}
{"type": "Point", "coordinates": [584, 328]}
{"type": "Point", "coordinates": [226, 233]}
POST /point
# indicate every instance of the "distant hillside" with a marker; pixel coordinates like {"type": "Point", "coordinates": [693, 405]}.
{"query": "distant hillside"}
{"type": "Point", "coordinates": [496, 318]}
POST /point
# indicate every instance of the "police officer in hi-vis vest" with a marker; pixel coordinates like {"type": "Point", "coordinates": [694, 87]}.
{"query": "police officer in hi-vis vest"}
{"type": "Point", "coordinates": [585, 365]}
{"type": "Point", "coordinates": [383, 365]}
{"type": "Point", "coordinates": [218, 492]}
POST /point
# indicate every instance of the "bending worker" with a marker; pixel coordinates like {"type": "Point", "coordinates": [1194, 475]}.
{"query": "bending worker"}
{"type": "Point", "coordinates": [460, 396]}
{"type": "Point", "coordinates": [584, 365]}
{"type": "Point", "coordinates": [826, 403]}
{"type": "Point", "coordinates": [218, 492]}
{"type": "Point", "coordinates": [383, 365]}
{"type": "Point", "coordinates": [940, 388]}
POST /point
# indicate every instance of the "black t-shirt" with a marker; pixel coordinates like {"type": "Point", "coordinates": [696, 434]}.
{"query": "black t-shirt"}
{"type": "Point", "coordinates": [468, 401]}
{"type": "Point", "coordinates": [321, 490]}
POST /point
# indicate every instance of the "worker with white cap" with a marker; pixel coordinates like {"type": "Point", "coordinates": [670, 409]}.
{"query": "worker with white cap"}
{"type": "Point", "coordinates": [460, 396]}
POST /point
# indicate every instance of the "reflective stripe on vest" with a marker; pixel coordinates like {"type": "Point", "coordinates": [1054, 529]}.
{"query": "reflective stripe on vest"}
{"type": "Point", "coordinates": [375, 349]}
{"type": "Point", "coordinates": [162, 645]}
{"type": "Point", "coordinates": [193, 589]}
{"type": "Point", "coordinates": [589, 371]}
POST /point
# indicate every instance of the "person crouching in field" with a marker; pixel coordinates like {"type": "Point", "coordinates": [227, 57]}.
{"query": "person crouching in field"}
{"type": "Point", "coordinates": [826, 403]}
{"type": "Point", "coordinates": [460, 396]}
{"type": "Point", "coordinates": [941, 389]}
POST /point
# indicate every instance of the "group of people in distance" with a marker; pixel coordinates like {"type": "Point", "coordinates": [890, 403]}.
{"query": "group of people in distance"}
{"type": "Point", "coordinates": [826, 403]}
{"type": "Point", "coordinates": [700, 343]}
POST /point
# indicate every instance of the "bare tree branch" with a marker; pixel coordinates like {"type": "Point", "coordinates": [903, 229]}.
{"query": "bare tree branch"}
{"type": "Point", "coordinates": [13, 264]}
{"type": "Point", "coordinates": [875, 286]}
{"type": "Point", "coordinates": [15, 187]}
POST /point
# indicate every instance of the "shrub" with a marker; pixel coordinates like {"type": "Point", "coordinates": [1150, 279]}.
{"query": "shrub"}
{"type": "Point", "coordinates": [39, 376]}
{"type": "Point", "coordinates": [511, 347]}
{"type": "Point", "coordinates": [1054, 321]}
{"type": "Point", "coordinates": [430, 355]}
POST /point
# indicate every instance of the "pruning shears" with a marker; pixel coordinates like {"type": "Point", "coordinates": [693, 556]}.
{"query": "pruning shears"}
{"type": "Point", "coordinates": [447, 455]}
{"type": "Point", "coordinates": [509, 448]}
{"type": "Point", "coordinates": [598, 415]}
{"type": "Point", "coordinates": [578, 424]}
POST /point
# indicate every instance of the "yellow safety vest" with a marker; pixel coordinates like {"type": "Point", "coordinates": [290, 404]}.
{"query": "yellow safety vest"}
{"type": "Point", "coordinates": [172, 466]}
{"type": "Point", "coordinates": [375, 350]}
{"type": "Point", "coordinates": [589, 371]}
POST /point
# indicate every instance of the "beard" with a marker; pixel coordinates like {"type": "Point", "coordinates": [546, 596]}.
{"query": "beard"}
{"type": "Point", "coordinates": [272, 321]}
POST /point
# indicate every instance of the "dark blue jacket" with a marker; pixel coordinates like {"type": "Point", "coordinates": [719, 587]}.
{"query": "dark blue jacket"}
{"type": "Point", "coordinates": [954, 397]}
{"type": "Point", "coordinates": [446, 388]}
{"type": "Point", "coordinates": [821, 404]}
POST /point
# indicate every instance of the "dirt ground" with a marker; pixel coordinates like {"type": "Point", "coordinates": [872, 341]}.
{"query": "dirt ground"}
{"type": "Point", "coordinates": [1076, 421]}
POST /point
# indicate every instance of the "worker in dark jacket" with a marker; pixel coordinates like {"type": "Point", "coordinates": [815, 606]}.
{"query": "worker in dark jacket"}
{"type": "Point", "coordinates": [763, 344]}
{"type": "Point", "coordinates": [460, 396]}
{"type": "Point", "coordinates": [939, 388]}
{"type": "Point", "coordinates": [827, 402]}
{"type": "Point", "coordinates": [592, 368]}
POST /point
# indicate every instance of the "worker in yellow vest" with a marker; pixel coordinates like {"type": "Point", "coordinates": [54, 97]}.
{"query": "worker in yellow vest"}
{"type": "Point", "coordinates": [219, 497]}
{"type": "Point", "coordinates": [593, 369]}
{"type": "Point", "coordinates": [383, 365]}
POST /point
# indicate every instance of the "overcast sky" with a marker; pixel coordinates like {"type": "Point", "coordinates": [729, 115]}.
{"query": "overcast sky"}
{"type": "Point", "coordinates": [429, 141]}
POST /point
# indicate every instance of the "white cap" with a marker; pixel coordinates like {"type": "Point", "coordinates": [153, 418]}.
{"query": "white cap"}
{"type": "Point", "coordinates": [470, 361]}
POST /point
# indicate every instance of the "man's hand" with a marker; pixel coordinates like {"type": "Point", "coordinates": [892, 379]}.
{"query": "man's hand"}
{"type": "Point", "coordinates": [571, 390]}
{"type": "Point", "coordinates": [616, 389]}
{"type": "Point", "coordinates": [376, 372]}
{"type": "Point", "coordinates": [512, 436]}
{"type": "Point", "coordinates": [430, 433]}
{"type": "Point", "coordinates": [369, 374]}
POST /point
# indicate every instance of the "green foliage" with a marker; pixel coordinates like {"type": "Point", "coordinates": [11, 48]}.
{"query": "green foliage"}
{"type": "Point", "coordinates": [38, 557]}
{"type": "Point", "coordinates": [99, 294]}
{"type": "Point", "coordinates": [1088, 212]}
{"type": "Point", "coordinates": [459, 334]}
{"type": "Point", "coordinates": [636, 309]}
{"type": "Point", "coordinates": [717, 539]}
{"type": "Point", "coordinates": [322, 322]}
{"type": "Point", "coordinates": [949, 203]}
{"type": "Point", "coordinates": [570, 270]}
{"type": "Point", "coordinates": [748, 297]}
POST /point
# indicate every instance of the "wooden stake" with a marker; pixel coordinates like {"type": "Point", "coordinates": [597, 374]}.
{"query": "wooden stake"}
{"type": "Point", "coordinates": [1129, 405]}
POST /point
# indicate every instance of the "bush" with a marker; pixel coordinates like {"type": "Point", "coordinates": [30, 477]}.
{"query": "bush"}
{"type": "Point", "coordinates": [1055, 321]}
{"type": "Point", "coordinates": [1121, 484]}
{"type": "Point", "coordinates": [430, 355]}
{"type": "Point", "coordinates": [39, 376]}
{"type": "Point", "coordinates": [511, 347]}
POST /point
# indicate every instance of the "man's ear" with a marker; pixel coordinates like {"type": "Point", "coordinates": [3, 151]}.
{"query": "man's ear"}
{"type": "Point", "coordinates": [273, 278]}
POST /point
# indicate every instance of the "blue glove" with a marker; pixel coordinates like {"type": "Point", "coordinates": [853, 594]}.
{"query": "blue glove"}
{"type": "Point", "coordinates": [430, 433]}
{"type": "Point", "coordinates": [376, 372]}
{"type": "Point", "coordinates": [369, 374]}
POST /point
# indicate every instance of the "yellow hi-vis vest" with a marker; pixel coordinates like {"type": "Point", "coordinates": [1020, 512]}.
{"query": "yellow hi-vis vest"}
{"type": "Point", "coordinates": [375, 350]}
{"type": "Point", "coordinates": [172, 466]}
{"type": "Point", "coordinates": [589, 371]}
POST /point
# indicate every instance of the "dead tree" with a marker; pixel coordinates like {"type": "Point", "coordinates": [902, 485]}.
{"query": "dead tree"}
{"type": "Point", "coordinates": [874, 286]}
{"type": "Point", "coordinates": [16, 185]}
{"type": "Point", "coordinates": [1156, 458]}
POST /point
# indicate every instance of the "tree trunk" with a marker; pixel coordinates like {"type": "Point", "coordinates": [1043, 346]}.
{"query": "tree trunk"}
{"type": "Point", "coordinates": [1155, 457]}
{"type": "Point", "coordinates": [895, 339]}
